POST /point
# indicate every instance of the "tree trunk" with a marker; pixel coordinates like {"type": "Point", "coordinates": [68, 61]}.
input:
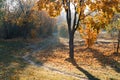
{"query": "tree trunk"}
{"type": "Point", "coordinates": [6, 34]}
{"type": "Point", "coordinates": [118, 42]}
{"type": "Point", "coordinates": [71, 45]}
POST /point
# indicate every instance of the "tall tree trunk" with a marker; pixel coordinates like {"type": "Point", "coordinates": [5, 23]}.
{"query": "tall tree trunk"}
{"type": "Point", "coordinates": [118, 42]}
{"type": "Point", "coordinates": [25, 32]}
{"type": "Point", "coordinates": [72, 27]}
{"type": "Point", "coordinates": [6, 34]}
{"type": "Point", "coordinates": [71, 45]}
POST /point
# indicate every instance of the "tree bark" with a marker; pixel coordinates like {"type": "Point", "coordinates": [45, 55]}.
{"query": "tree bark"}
{"type": "Point", "coordinates": [6, 30]}
{"type": "Point", "coordinates": [118, 42]}
{"type": "Point", "coordinates": [71, 27]}
{"type": "Point", "coordinates": [71, 45]}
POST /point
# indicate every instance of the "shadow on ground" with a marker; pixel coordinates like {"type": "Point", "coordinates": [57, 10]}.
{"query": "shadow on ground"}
{"type": "Point", "coordinates": [48, 52]}
{"type": "Point", "coordinates": [89, 76]}
{"type": "Point", "coordinates": [105, 60]}
{"type": "Point", "coordinates": [108, 60]}
{"type": "Point", "coordinates": [10, 59]}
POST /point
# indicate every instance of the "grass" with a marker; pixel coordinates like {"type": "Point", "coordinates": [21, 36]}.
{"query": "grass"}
{"type": "Point", "coordinates": [13, 67]}
{"type": "Point", "coordinates": [99, 62]}
{"type": "Point", "coordinates": [10, 58]}
{"type": "Point", "coordinates": [38, 73]}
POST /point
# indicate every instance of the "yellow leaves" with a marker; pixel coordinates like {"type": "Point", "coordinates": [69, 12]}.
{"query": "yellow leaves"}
{"type": "Point", "coordinates": [52, 7]}
{"type": "Point", "coordinates": [89, 21]}
{"type": "Point", "coordinates": [92, 6]}
{"type": "Point", "coordinates": [78, 9]}
{"type": "Point", "coordinates": [89, 34]}
{"type": "Point", "coordinates": [52, 10]}
{"type": "Point", "coordinates": [89, 30]}
{"type": "Point", "coordinates": [80, 29]}
{"type": "Point", "coordinates": [41, 4]}
{"type": "Point", "coordinates": [114, 9]}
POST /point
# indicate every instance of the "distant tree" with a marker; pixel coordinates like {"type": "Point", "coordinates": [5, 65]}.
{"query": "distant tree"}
{"type": "Point", "coordinates": [1, 17]}
{"type": "Point", "coordinates": [11, 14]}
{"type": "Point", "coordinates": [44, 24]}
{"type": "Point", "coordinates": [20, 20]}
{"type": "Point", "coordinates": [82, 9]}
{"type": "Point", "coordinates": [115, 24]}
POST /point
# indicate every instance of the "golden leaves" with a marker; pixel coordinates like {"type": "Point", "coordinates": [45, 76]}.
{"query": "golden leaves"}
{"type": "Point", "coordinates": [93, 7]}
{"type": "Point", "coordinates": [41, 4]}
{"type": "Point", "coordinates": [89, 30]}
{"type": "Point", "coordinates": [89, 34]}
{"type": "Point", "coordinates": [52, 7]}
{"type": "Point", "coordinates": [103, 13]}
{"type": "Point", "coordinates": [78, 9]}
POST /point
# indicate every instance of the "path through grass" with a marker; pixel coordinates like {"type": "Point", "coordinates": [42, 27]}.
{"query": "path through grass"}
{"type": "Point", "coordinates": [14, 67]}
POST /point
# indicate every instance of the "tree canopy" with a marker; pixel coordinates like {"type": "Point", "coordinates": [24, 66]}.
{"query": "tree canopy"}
{"type": "Point", "coordinates": [95, 13]}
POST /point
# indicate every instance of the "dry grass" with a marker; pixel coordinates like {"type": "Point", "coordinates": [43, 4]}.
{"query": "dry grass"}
{"type": "Point", "coordinates": [38, 73]}
{"type": "Point", "coordinates": [99, 61]}
{"type": "Point", "coordinates": [13, 67]}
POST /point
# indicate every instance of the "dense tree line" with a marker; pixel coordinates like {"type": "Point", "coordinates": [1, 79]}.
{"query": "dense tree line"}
{"type": "Point", "coordinates": [18, 19]}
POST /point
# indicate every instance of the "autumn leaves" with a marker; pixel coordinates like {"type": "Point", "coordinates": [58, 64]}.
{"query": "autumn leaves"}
{"type": "Point", "coordinates": [53, 8]}
{"type": "Point", "coordinates": [99, 13]}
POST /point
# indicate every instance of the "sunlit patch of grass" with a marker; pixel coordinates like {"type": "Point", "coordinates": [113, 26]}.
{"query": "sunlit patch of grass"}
{"type": "Point", "coordinates": [38, 73]}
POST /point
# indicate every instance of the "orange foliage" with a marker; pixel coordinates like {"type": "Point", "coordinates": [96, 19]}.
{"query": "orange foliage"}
{"type": "Point", "coordinates": [89, 31]}
{"type": "Point", "coordinates": [89, 34]}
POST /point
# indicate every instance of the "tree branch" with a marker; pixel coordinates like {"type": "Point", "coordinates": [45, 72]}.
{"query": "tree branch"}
{"type": "Point", "coordinates": [75, 17]}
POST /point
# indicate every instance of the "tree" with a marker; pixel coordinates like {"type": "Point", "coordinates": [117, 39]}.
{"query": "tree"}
{"type": "Point", "coordinates": [17, 13]}
{"type": "Point", "coordinates": [82, 9]}
{"type": "Point", "coordinates": [43, 29]}
{"type": "Point", "coordinates": [17, 19]}
{"type": "Point", "coordinates": [89, 31]}
{"type": "Point", "coordinates": [115, 24]}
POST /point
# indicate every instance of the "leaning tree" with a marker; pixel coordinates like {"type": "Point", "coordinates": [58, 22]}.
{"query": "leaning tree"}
{"type": "Point", "coordinates": [82, 9]}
